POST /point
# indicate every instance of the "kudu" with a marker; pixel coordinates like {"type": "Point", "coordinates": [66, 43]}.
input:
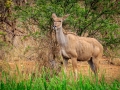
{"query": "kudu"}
{"type": "Point", "coordinates": [77, 48]}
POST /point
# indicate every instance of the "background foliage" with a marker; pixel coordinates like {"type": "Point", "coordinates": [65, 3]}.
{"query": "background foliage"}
{"type": "Point", "coordinates": [26, 34]}
{"type": "Point", "coordinates": [98, 18]}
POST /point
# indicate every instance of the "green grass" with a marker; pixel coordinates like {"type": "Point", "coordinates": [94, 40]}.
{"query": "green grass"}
{"type": "Point", "coordinates": [60, 82]}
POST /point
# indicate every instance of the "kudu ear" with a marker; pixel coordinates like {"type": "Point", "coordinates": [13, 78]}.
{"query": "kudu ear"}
{"type": "Point", "coordinates": [64, 17]}
{"type": "Point", "coordinates": [54, 15]}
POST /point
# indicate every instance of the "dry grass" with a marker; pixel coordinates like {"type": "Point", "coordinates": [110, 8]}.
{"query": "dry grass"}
{"type": "Point", "coordinates": [26, 48]}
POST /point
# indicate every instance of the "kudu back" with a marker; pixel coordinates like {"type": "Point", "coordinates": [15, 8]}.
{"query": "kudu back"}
{"type": "Point", "coordinates": [77, 48]}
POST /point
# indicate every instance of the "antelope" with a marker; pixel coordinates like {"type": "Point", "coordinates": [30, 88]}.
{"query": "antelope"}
{"type": "Point", "coordinates": [77, 48]}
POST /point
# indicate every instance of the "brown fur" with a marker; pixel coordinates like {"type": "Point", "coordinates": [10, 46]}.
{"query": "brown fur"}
{"type": "Point", "coordinates": [77, 48]}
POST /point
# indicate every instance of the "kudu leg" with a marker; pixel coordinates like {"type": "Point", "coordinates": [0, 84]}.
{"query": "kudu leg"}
{"type": "Point", "coordinates": [96, 65]}
{"type": "Point", "coordinates": [90, 62]}
{"type": "Point", "coordinates": [65, 63]}
{"type": "Point", "coordinates": [93, 62]}
{"type": "Point", "coordinates": [74, 64]}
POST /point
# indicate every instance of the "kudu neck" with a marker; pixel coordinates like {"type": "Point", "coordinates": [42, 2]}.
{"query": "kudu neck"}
{"type": "Point", "coordinates": [61, 38]}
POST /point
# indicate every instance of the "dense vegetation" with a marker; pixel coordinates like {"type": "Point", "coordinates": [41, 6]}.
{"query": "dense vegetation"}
{"type": "Point", "coordinates": [26, 34]}
{"type": "Point", "coordinates": [96, 17]}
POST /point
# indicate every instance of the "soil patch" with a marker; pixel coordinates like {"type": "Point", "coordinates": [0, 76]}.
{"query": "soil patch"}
{"type": "Point", "coordinates": [109, 71]}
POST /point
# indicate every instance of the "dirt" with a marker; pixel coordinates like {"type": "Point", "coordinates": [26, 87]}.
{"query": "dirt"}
{"type": "Point", "coordinates": [109, 71]}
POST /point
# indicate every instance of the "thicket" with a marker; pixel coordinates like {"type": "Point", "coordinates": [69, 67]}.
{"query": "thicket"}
{"type": "Point", "coordinates": [99, 18]}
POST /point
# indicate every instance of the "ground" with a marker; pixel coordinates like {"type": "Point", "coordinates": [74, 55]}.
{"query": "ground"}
{"type": "Point", "coordinates": [109, 71]}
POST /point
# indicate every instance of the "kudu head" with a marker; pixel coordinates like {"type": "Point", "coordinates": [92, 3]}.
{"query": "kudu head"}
{"type": "Point", "coordinates": [58, 21]}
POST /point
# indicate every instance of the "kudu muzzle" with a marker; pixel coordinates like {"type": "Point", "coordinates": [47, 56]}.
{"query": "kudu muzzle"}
{"type": "Point", "coordinates": [54, 27]}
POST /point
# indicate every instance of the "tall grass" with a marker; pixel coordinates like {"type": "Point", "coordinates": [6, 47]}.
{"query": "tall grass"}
{"type": "Point", "coordinates": [59, 82]}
